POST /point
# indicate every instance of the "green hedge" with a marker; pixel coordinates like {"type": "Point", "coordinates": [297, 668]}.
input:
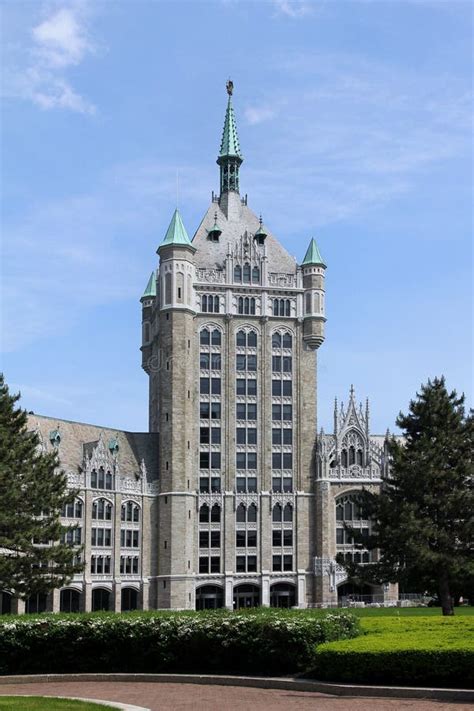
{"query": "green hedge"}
{"type": "Point", "coordinates": [418, 652]}
{"type": "Point", "coordinates": [215, 642]}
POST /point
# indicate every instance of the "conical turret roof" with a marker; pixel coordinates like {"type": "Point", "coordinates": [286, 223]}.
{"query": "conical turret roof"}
{"type": "Point", "coordinates": [176, 232]}
{"type": "Point", "coordinates": [313, 255]}
{"type": "Point", "coordinates": [230, 140]}
{"type": "Point", "coordinates": [150, 290]}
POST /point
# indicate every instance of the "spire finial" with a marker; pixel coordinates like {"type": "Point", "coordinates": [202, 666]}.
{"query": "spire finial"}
{"type": "Point", "coordinates": [352, 392]}
{"type": "Point", "coordinates": [230, 156]}
{"type": "Point", "coordinates": [230, 87]}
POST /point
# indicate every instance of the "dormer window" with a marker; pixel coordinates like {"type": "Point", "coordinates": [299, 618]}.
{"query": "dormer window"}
{"type": "Point", "coordinates": [215, 231]}
{"type": "Point", "coordinates": [238, 273]}
{"type": "Point", "coordinates": [255, 275]}
{"type": "Point", "coordinates": [246, 278]}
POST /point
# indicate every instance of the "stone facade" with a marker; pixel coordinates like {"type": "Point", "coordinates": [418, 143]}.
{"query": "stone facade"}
{"type": "Point", "coordinates": [230, 499]}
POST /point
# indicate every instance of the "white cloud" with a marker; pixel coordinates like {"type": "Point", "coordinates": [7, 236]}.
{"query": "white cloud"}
{"type": "Point", "coordinates": [293, 8]}
{"type": "Point", "coordinates": [61, 40]}
{"type": "Point", "coordinates": [258, 114]}
{"type": "Point", "coordinates": [37, 72]}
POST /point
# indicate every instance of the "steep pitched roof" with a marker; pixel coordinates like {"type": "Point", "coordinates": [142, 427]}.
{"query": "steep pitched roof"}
{"type": "Point", "coordinates": [150, 290]}
{"type": "Point", "coordinates": [230, 140]}
{"type": "Point", "coordinates": [176, 232]}
{"type": "Point", "coordinates": [313, 255]}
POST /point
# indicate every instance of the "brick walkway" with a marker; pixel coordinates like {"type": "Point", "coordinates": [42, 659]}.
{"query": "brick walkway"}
{"type": "Point", "coordinates": [177, 697]}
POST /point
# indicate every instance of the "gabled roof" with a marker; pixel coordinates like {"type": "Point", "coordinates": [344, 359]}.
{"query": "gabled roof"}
{"type": "Point", "coordinates": [176, 232]}
{"type": "Point", "coordinates": [313, 255]}
{"type": "Point", "coordinates": [150, 290]}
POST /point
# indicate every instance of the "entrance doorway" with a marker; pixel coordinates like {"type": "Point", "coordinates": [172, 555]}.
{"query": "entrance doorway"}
{"type": "Point", "coordinates": [209, 597]}
{"type": "Point", "coordinates": [129, 599]}
{"type": "Point", "coordinates": [246, 596]}
{"type": "Point", "coordinates": [69, 600]}
{"type": "Point", "coordinates": [282, 595]}
{"type": "Point", "coordinates": [100, 599]}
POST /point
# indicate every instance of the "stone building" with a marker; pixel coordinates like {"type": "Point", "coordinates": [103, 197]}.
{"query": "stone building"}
{"type": "Point", "coordinates": [230, 499]}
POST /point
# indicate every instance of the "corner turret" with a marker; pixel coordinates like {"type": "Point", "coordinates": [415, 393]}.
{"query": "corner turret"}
{"type": "Point", "coordinates": [147, 301]}
{"type": "Point", "coordinates": [313, 269]}
{"type": "Point", "coordinates": [176, 272]}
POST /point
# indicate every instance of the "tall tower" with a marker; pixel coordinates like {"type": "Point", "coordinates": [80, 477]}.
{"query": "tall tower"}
{"type": "Point", "coordinates": [231, 356]}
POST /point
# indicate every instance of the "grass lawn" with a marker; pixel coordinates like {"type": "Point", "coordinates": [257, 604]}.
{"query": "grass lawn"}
{"type": "Point", "coordinates": [408, 611]}
{"type": "Point", "coordinates": [48, 703]}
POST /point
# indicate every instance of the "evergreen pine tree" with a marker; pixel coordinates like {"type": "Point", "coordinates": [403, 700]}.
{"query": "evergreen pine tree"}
{"type": "Point", "coordinates": [422, 519]}
{"type": "Point", "coordinates": [32, 494]}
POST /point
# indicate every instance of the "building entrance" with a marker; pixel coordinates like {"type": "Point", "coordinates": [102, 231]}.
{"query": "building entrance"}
{"type": "Point", "coordinates": [209, 597]}
{"type": "Point", "coordinates": [246, 596]}
{"type": "Point", "coordinates": [282, 595]}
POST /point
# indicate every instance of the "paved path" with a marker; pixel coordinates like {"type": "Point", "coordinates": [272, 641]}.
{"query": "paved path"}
{"type": "Point", "coordinates": [182, 697]}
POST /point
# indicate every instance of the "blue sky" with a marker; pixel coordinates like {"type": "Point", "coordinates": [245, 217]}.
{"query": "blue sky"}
{"type": "Point", "coordinates": [355, 122]}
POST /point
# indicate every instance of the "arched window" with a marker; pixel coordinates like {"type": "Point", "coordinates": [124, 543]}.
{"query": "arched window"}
{"type": "Point", "coordinates": [246, 279]}
{"type": "Point", "coordinates": [317, 306]}
{"type": "Point", "coordinates": [351, 455]}
{"type": "Point", "coordinates": [277, 513]}
{"type": "Point", "coordinates": [287, 340]}
{"type": "Point", "coordinates": [275, 307]}
{"type": "Point", "coordinates": [252, 306]}
{"type": "Point", "coordinates": [216, 514]}
{"type": "Point", "coordinates": [241, 305]}
{"type": "Point", "coordinates": [102, 510]}
{"type": "Point", "coordinates": [216, 337]}
{"type": "Point", "coordinates": [252, 339]}
{"type": "Point", "coordinates": [359, 457]}
{"type": "Point", "coordinates": [246, 305]}
{"type": "Point", "coordinates": [180, 287]}
{"type": "Point", "coordinates": [238, 273]}
{"type": "Point", "coordinates": [308, 303]}
{"type": "Point", "coordinates": [344, 458]}
{"type": "Point", "coordinates": [288, 513]}
{"type": "Point", "coordinates": [241, 339]}
{"type": "Point", "coordinates": [276, 340]}
{"type": "Point", "coordinates": [73, 509]}
{"type": "Point", "coordinates": [287, 307]}
{"type": "Point", "coordinates": [204, 302]}
{"type": "Point", "coordinates": [241, 514]}
{"type": "Point", "coordinates": [255, 275]}
{"type": "Point", "coordinates": [130, 512]}
{"type": "Point", "coordinates": [108, 480]}
{"type": "Point", "coordinates": [339, 512]}
{"type": "Point", "coordinates": [204, 514]}
{"type": "Point", "coordinates": [204, 337]}
{"type": "Point", "coordinates": [348, 511]}
{"type": "Point", "coordinates": [252, 513]}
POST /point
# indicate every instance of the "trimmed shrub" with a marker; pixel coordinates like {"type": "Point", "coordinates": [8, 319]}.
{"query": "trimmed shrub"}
{"type": "Point", "coordinates": [268, 643]}
{"type": "Point", "coordinates": [418, 652]}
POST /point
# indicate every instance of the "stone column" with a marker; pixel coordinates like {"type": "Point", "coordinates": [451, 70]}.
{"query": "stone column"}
{"type": "Point", "coordinates": [265, 591]}
{"type": "Point", "coordinates": [229, 592]}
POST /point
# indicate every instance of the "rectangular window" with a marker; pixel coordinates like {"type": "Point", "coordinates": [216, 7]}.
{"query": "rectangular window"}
{"type": "Point", "coordinates": [240, 539]}
{"type": "Point", "coordinates": [252, 363]}
{"type": "Point", "coordinates": [215, 435]}
{"type": "Point", "coordinates": [204, 435]}
{"type": "Point", "coordinates": [240, 483]}
{"type": "Point", "coordinates": [204, 460]}
{"type": "Point", "coordinates": [276, 460]}
{"type": "Point", "coordinates": [240, 387]}
{"type": "Point", "coordinates": [241, 435]}
{"type": "Point", "coordinates": [215, 564]}
{"type": "Point", "coordinates": [215, 411]}
{"type": "Point", "coordinates": [204, 564]}
{"type": "Point", "coordinates": [276, 538]}
{"type": "Point", "coordinates": [276, 562]}
{"type": "Point", "coordinates": [204, 485]}
{"type": "Point", "coordinates": [287, 562]}
{"type": "Point", "coordinates": [215, 460]}
{"type": "Point", "coordinates": [287, 484]}
{"type": "Point", "coordinates": [240, 564]}
{"type": "Point", "coordinates": [251, 484]}
{"type": "Point", "coordinates": [287, 436]}
{"type": "Point", "coordinates": [204, 361]}
{"type": "Point", "coordinates": [276, 436]}
{"type": "Point", "coordinates": [216, 386]}
{"type": "Point", "coordinates": [240, 411]}
{"type": "Point", "coordinates": [276, 364]}
{"type": "Point", "coordinates": [251, 460]}
{"type": "Point", "coordinates": [339, 536]}
{"type": "Point", "coordinates": [203, 539]}
{"type": "Point", "coordinates": [204, 386]}
{"type": "Point", "coordinates": [276, 412]}
{"type": "Point", "coordinates": [241, 460]}
{"type": "Point", "coordinates": [215, 361]}
{"type": "Point", "coordinates": [287, 388]}
{"type": "Point", "coordinates": [251, 563]}
{"type": "Point", "coordinates": [240, 362]}
{"type": "Point", "coordinates": [215, 484]}
{"type": "Point", "coordinates": [252, 539]}
{"type": "Point", "coordinates": [276, 483]}
{"type": "Point", "coordinates": [287, 412]}
{"type": "Point", "coordinates": [204, 410]}
{"type": "Point", "coordinates": [215, 539]}
{"type": "Point", "coordinates": [252, 387]}
{"type": "Point", "coordinates": [252, 435]}
{"type": "Point", "coordinates": [287, 460]}
{"type": "Point", "coordinates": [287, 364]}
{"type": "Point", "coordinates": [287, 538]}
{"type": "Point", "coordinates": [276, 388]}
{"type": "Point", "coordinates": [252, 411]}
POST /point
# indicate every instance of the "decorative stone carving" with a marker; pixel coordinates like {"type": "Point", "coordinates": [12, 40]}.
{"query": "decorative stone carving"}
{"type": "Point", "coordinates": [74, 480]}
{"type": "Point", "coordinates": [210, 276]}
{"type": "Point", "coordinates": [284, 280]}
{"type": "Point", "coordinates": [335, 572]}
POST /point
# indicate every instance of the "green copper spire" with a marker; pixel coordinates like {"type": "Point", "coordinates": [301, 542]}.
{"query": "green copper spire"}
{"type": "Point", "coordinates": [313, 255]}
{"type": "Point", "coordinates": [150, 290]}
{"type": "Point", "coordinates": [176, 233]}
{"type": "Point", "coordinates": [230, 156]}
